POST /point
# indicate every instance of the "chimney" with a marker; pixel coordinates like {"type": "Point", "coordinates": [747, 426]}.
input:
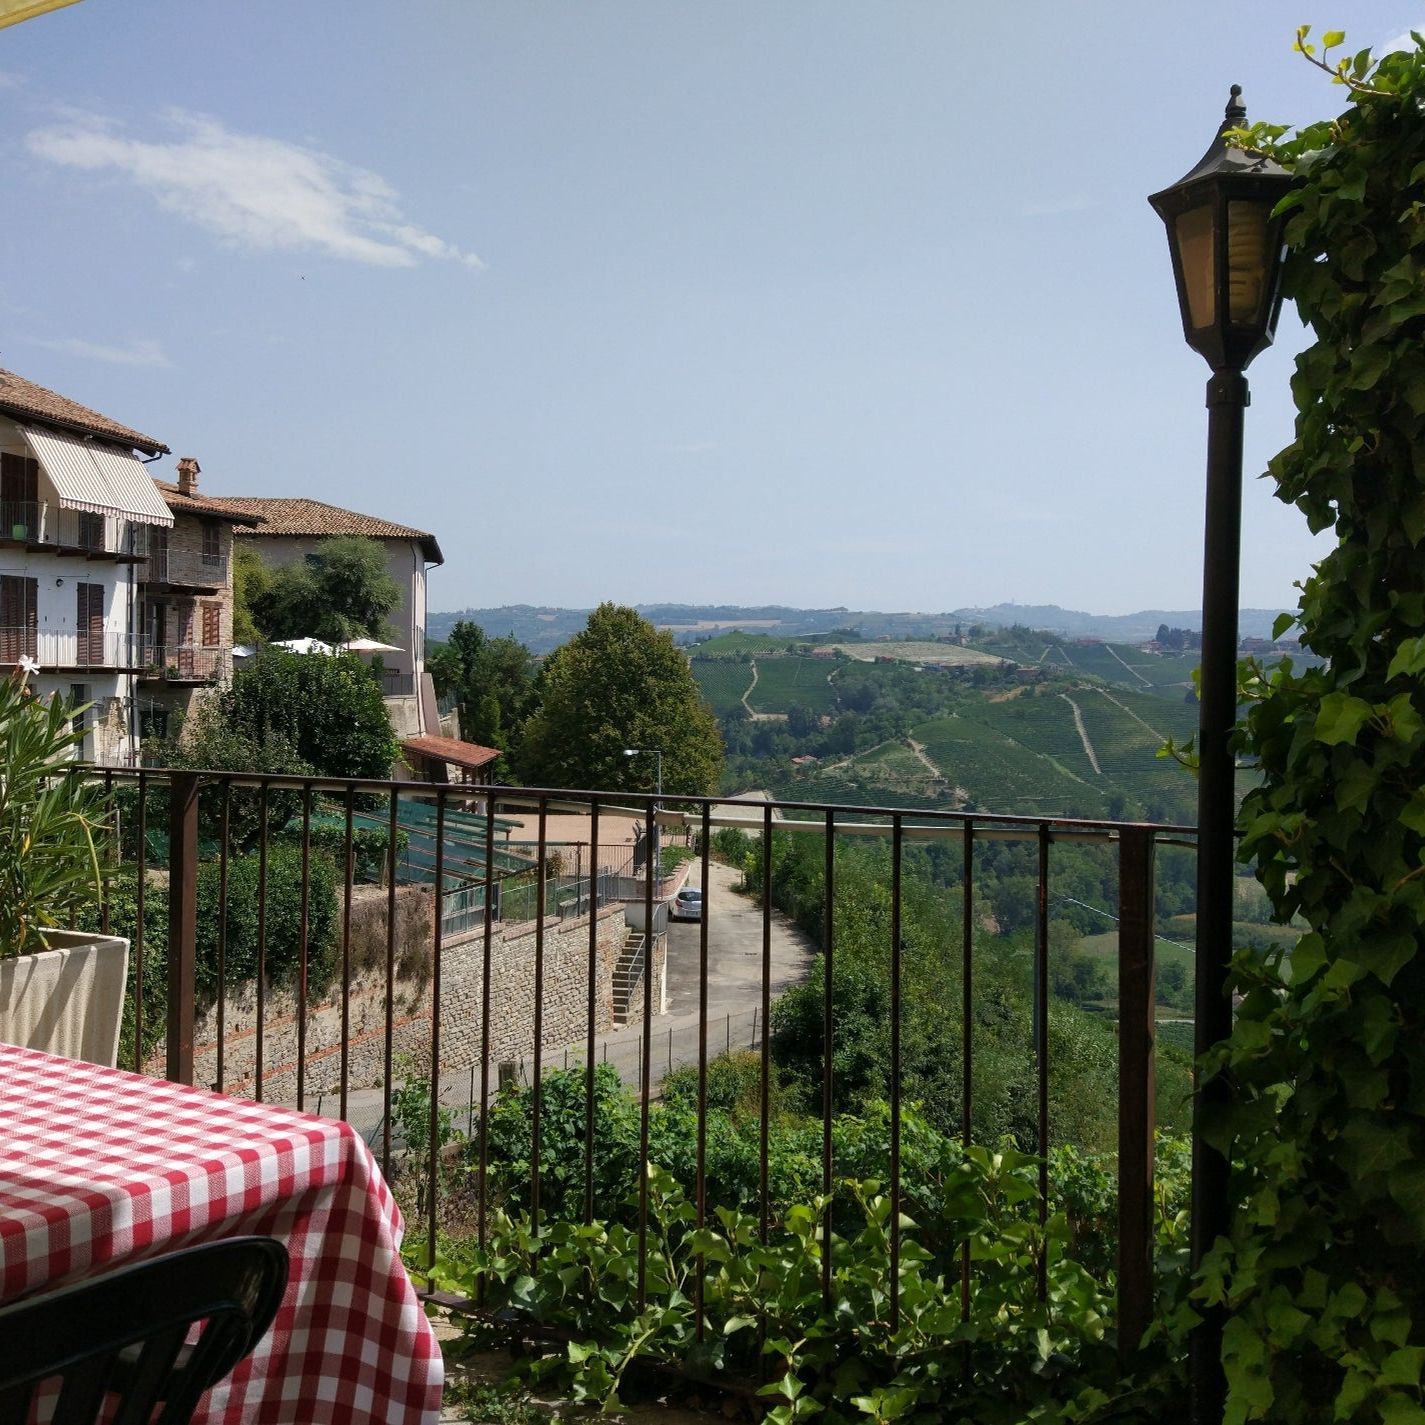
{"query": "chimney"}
{"type": "Point", "coordinates": [187, 475]}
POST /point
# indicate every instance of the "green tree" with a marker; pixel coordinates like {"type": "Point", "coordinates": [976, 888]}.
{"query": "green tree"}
{"type": "Point", "coordinates": [209, 739]}
{"type": "Point", "coordinates": [1325, 1125]}
{"type": "Point", "coordinates": [339, 591]}
{"type": "Point", "coordinates": [252, 581]}
{"type": "Point", "coordinates": [618, 684]}
{"type": "Point", "coordinates": [329, 711]}
{"type": "Point", "coordinates": [492, 677]}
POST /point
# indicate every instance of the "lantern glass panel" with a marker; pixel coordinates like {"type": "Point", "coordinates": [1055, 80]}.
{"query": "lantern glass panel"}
{"type": "Point", "coordinates": [1196, 252]}
{"type": "Point", "coordinates": [1249, 234]}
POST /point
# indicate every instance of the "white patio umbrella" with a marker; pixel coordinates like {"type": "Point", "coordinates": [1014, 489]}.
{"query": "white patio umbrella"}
{"type": "Point", "coordinates": [368, 645]}
{"type": "Point", "coordinates": [304, 645]}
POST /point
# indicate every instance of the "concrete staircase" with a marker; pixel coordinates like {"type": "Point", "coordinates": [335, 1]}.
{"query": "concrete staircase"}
{"type": "Point", "coordinates": [628, 975]}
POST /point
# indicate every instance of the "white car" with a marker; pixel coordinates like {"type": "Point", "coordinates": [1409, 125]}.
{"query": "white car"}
{"type": "Point", "coordinates": [687, 904]}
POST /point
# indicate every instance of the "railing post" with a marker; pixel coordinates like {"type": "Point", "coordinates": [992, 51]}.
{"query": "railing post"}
{"type": "Point", "coordinates": [1136, 1083]}
{"type": "Point", "coordinates": [182, 921]}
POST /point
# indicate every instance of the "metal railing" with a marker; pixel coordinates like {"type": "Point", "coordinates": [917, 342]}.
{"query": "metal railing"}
{"type": "Point", "coordinates": [184, 663]}
{"type": "Point", "coordinates": [186, 568]}
{"type": "Point", "coordinates": [493, 999]}
{"type": "Point", "coordinates": [397, 684]}
{"type": "Point", "coordinates": [41, 524]}
{"type": "Point", "coordinates": [65, 648]}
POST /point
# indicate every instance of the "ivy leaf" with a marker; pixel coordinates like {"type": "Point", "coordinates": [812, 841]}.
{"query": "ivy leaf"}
{"type": "Point", "coordinates": [1409, 659]}
{"type": "Point", "coordinates": [1340, 719]}
{"type": "Point", "coordinates": [1397, 1409]}
{"type": "Point", "coordinates": [1403, 1367]}
{"type": "Point", "coordinates": [1407, 1190]}
{"type": "Point", "coordinates": [1375, 1147]}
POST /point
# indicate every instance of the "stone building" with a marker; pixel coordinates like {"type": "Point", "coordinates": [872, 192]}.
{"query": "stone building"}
{"type": "Point", "coordinates": [291, 529]}
{"type": "Point", "coordinates": [77, 510]}
{"type": "Point", "coordinates": [186, 597]}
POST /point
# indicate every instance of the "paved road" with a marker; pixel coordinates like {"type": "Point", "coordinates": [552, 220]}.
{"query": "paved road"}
{"type": "Point", "coordinates": [734, 953]}
{"type": "Point", "coordinates": [734, 1000]}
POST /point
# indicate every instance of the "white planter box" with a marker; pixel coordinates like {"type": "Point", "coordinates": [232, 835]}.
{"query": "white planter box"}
{"type": "Point", "coordinates": [69, 999]}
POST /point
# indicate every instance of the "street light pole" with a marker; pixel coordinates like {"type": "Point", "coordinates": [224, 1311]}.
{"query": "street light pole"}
{"type": "Point", "coordinates": [1225, 240]}
{"type": "Point", "coordinates": [658, 802]}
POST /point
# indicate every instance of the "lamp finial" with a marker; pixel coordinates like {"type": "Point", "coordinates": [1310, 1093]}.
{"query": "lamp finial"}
{"type": "Point", "coordinates": [1236, 109]}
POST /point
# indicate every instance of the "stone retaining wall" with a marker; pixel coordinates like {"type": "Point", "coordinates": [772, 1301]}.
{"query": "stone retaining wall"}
{"type": "Point", "coordinates": [512, 956]}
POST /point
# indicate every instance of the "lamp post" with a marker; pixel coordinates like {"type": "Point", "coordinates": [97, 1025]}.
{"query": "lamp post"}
{"type": "Point", "coordinates": [1226, 251]}
{"type": "Point", "coordinates": [653, 828]}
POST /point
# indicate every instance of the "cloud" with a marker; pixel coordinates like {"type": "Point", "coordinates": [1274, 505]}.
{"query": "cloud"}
{"type": "Point", "coordinates": [1401, 41]}
{"type": "Point", "coordinates": [137, 353]}
{"type": "Point", "coordinates": [260, 193]}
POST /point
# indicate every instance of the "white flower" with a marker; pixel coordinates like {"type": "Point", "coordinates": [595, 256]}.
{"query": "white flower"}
{"type": "Point", "coordinates": [27, 665]}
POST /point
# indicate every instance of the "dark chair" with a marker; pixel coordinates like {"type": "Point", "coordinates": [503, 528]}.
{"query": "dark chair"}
{"type": "Point", "coordinates": [119, 1339]}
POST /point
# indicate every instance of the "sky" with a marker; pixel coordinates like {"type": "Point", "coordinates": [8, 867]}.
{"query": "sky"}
{"type": "Point", "coordinates": [816, 304]}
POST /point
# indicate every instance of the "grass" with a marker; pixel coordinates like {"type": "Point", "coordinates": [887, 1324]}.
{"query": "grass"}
{"type": "Point", "coordinates": [784, 681]}
{"type": "Point", "coordinates": [1002, 774]}
{"type": "Point", "coordinates": [722, 683]}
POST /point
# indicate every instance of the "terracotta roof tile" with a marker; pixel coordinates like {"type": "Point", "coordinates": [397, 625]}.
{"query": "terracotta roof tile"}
{"type": "Point", "coordinates": [181, 503]}
{"type": "Point", "coordinates": [313, 517]}
{"type": "Point", "coordinates": [452, 750]}
{"type": "Point", "coordinates": [22, 398]}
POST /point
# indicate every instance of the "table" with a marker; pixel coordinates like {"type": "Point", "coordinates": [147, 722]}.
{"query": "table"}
{"type": "Point", "coordinates": [99, 1167]}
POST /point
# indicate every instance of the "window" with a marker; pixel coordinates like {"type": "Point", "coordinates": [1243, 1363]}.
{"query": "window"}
{"type": "Point", "coordinates": [81, 721]}
{"type": "Point", "coordinates": [19, 617]}
{"type": "Point", "coordinates": [153, 723]}
{"type": "Point", "coordinates": [19, 497]}
{"type": "Point", "coordinates": [212, 545]}
{"type": "Point", "coordinates": [89, 530]}
{"type": "Point", "coordinates": [89, 624]}
{"type": "Point", "coordinates": [158, 555]}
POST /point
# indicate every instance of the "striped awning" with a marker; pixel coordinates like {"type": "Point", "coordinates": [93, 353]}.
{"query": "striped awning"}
{"type": "Point", "coordinates": [98, 478]}
{"type": "Point", "coordinates": [14, 11]}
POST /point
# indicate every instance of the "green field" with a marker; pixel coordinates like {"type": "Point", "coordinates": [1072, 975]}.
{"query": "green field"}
{"type": "Point", "coordinates": [739, 642]}
{"type": "Point", "coordinates": [722, 682]}
{"type": "Point", "coordinates": [784, 681]}
{"type": "Point", "coordinates": [1167, 675]}
{"type": "Point", "coordinates": [1044, 722]}
{"type": "Point", "coordinates": [999, 773]}
{"type": "Point", "coordinates": [1127, 749]}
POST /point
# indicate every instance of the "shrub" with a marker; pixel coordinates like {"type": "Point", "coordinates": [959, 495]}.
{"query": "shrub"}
{"type": "Point", "coordinates": [283, 920]}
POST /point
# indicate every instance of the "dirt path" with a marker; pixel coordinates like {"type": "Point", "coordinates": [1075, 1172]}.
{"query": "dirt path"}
{"type": "Point", "coordinates": [1159, 735]}
{"type": "Point", "coordinates": [751, 711]}
{"type": "Point", "coordinates": [1083, 734]}
{"type": "Point", "coordinates": [1146, 682]}
{"type": "Point", "coordinates": [919, 749]}
{"type": "Point", "coordinates": [865, 752]}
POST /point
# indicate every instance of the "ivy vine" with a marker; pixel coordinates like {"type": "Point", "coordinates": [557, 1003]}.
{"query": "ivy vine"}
{"type": "Point", "coordinates": [1321, 1275]}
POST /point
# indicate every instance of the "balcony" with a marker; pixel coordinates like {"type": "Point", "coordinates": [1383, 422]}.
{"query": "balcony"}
{"type": "Point", "coordinates": [41, 527]}
{"type": "Point", "coordinates": [397, 684]}
{"type": "Point", "coordinates": [184, 663]}
{"type": "Point", "coordinates": [518, 1005]}
{"type": "Point", "coordinates": [186, 570]}
{"type": "Point", "coordinates": [65, 650]}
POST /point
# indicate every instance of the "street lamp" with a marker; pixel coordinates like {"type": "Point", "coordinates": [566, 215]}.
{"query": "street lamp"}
{"type": "Point", "coordinates": [1226, 248]}
{"type": "Point", "coordinates": [653, 828]}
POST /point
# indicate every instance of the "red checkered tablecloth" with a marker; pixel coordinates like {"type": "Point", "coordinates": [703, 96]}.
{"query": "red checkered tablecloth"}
{"type": "Point", "coordinates": [100, 1167]}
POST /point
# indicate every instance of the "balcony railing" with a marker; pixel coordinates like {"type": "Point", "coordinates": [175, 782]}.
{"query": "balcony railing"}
{"type": "Point", "coordinates": [40, 525]}
{"type": "Point", "coordinates": [184, 663]}
{"type": "Point", "coordinates": [65, 649]}
{"type": "Point", "coordinates": [471, 999]}
{"type": "Point", "coordinates": [397, 684]}
{"type": "Point", "coordinates": [186, 569]}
